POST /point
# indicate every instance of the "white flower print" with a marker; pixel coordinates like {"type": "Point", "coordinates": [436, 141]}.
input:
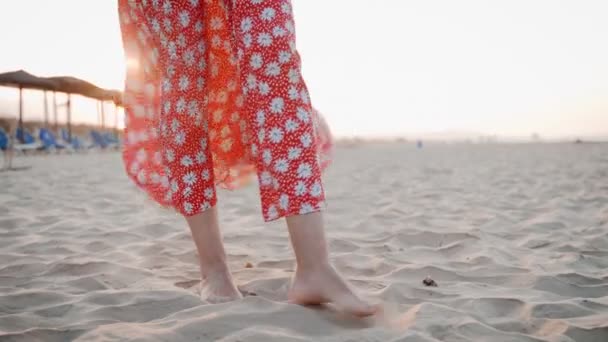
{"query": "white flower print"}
{"type": "Point", "coordinates": [206, 205]}
{"type": "Point", "coordinates": [289, 26]}
{"type": "Point", "coordinates": [184, 81]}
{"type": "Point", "coordinates": [264, 88]}
{"type": "Point", "coordinates": [158, 158]}
{"type": "Point", "coordinates": [202, 64]}
{"type": "Point", "coordinates": [275, 184]}
{"type": "Point", "coordinates": [189, 178]}
{"type": "Point", "coordinates": [209, 192]}
{"type": "Point", "coordinates": [256, 61]}
{"type": "Point", "coordinates": [247, 40]}
{"type": "Point", "coordinates": [155, 25]}
{"type": "Point", "coordinates": [180, 138]}
{"type": "Point", "coordinates": [194, 3]}
{"type": "Point", "coordinates": [267, 157]}
{"type": "Point", "coordinates": [293, 93]}
{"type": "Point", "coordinates": [180, 106]}
{"type": "Point", "coordinates": [167, 8]}
{"type": "Point", "coordinates": [286, 8]}
{"type": "Point", "coordinates": [174, 186]}
{"type": "Point", "coordinates": [203, 143]}
{"type": "Point", "coordinates": [135, 166]}
{"type": "Point", "coordinates": [304, 170]}
{"type": "Point", "coordinates": [261, 135]}
{"type": "Point", "coordinates": [306, 208]}
{"type": "Point", "coordinates": [188, 208]}
{"type": "Point", "coordinates": [304, 96]}
{"type": "Point", "coordinates": [172, 50]}
{"type": "Point", "coordinates": [291, 125]}
{"type": "Point", "coordinates": [174, 125]}
{"type": "Point", "coordinates": [192, 108]}
{"type": "Point", "coordinates": [306, 140]}
{"type": "Point", "coordinates": [276, 135]}
{"type": "Point", "coordinates": [206, 175]}
{"type": "Point", "coordinates": [294, 76]}
{"type": "Point", "coordinates": [294, 153]}
{"type": "Point", "coordinates": [278, 31]}
{"type": "Point", "coordinates": [276, 105]}
{"type": "Point", "coordinates": [284, 201]}
{"type": "Point", "coordinates": [200, 83]}
{"type": "Point", "coordinates": [170, 155]}
{"type": "Point", "coordinates": [155, 178]}
{"type": "Point", "coordinates": [164, 182]}
{"type": "Point", "coordinates": [316, 190]}
{"type": "Point", "coordinates": [256, 2]}
{"type": "Point", "coordinates": [300, 188]}
{"type": "Point", "coordinates": [260, 117]}
{"type": "Point", "coordinates": [254, 150]}
{"type": "Point", "coordinates": [166, 85]}
{"type": "Point", "coordinates": [184, 18]}
{"type": "Point", "coordinates": [268, 14]}
{"type": "Point", "coordinates": [281, 165]}
{"type": "Point", "coordinates": [272, 212]}
{"type": "Point", "coordinates": [187, 192]}
{"type": "Point", "coordinates": [303, 115]}
{"type": "Point", "coordinates": [246, 24]}
{"type": "Point", "coordinates": [265, 178]}
{"type": "Point", "coordinates": [181, 41]}
{"type": "Point", "coordinates": [216, 41]}
{"type": "Point", "coordinates": [216, 23]}
{"type": "Point", "coordinates": [264, 39]}
{"type": "Point", "coordinates": [198, 26]}
{"type": "Point", "coordinates": [251, 81]}
{"type": "Point", "coordinates": [284, 57]}
{"type": "Point", "coordinates": [186, 161]}
{"type": "Point", "coordinates": [222, 97]}
{"type": "Point", "coordinates": [201, 157]}
{"type": "Point", "coordinates": [189, 58]}
{"type": "Point", "coordinates": [273, 69]}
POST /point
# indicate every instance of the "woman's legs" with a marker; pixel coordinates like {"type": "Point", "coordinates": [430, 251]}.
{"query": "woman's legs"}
{"type": "Point", "coordinates": [280, 116]}
{"type": "Point", "coordinates": [181, 162]}
{"type": "Point", "coordinates": [216, 281]}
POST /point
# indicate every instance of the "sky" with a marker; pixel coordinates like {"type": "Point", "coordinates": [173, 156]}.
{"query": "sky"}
{"type": "Point", "coordinates": [374, 67]}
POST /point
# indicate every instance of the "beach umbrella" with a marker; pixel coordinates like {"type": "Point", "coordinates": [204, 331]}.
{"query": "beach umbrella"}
{"type": "Point", "coordinates": [73, 85]}
{"type": "Point", "coordinates": [24, 80]}
{"type": "Point", "coordinates": [65, 84]}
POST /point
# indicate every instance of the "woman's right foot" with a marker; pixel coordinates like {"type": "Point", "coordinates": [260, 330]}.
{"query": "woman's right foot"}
{"type": "Point", "coordinates": [218, 287]}
{"type": "Point", "coordinates": [324, 285]}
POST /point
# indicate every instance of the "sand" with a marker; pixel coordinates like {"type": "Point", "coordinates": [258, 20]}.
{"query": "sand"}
{"type": "Point", "coordinates": [516, 237]}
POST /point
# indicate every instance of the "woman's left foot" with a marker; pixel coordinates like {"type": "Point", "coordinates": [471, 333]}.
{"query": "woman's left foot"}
{"type": "Point", "coordinates": [324, 285]}
{"type": "Point", "coordinates": [218, 287]}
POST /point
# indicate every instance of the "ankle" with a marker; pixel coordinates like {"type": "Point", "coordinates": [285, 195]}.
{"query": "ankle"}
{"type": "Point", "coordinates": [213, 268]}
{"type": "Point", "coordinates": [304, 268]}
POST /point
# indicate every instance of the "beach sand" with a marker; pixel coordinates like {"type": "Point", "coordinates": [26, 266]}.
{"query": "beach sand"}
{"type": "Point", "coordinates": [516, 237]}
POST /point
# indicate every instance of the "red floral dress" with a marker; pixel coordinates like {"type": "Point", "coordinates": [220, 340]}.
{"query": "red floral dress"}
{"type": "Point", "coordinates": [214, 94]}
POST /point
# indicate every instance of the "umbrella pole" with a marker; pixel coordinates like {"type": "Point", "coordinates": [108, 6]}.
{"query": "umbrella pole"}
{"type": "Point", "coordinates": [21, 138]}
{"type": "Point", "coordinates": [116, 120]}
{"type": "Point", "coordinates": [103, 115]}
{"type": "Point", "coordinates": [46, 111]}
{"type": "Point", "coordinates": [69, 107]}
{"type": "Point", "coordinates": [55, 109]}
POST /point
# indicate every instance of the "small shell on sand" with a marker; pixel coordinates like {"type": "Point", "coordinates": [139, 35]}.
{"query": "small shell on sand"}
{"type": "Point", "coordinates": [428, 281]}
{"type": "Point", "coordinates": [248, 265]}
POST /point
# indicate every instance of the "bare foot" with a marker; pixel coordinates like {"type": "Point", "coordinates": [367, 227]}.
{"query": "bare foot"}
{"type": "Point", "coordinates": [218, 287]}
{"type": "Point", "coordinates": [324, 285]}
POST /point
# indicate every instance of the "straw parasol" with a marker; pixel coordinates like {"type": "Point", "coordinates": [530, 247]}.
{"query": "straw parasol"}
{"type": "Point", "coordinates": [22, 79]}
{"type": "Point", "coordinates": [65, 84]}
